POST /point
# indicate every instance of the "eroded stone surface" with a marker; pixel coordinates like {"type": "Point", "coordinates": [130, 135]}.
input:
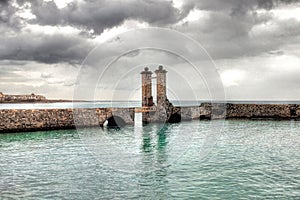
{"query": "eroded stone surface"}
{"type": "Point", "coordinates": [249, 111]}
{"type": "Point", "coordinates": [46, 119]}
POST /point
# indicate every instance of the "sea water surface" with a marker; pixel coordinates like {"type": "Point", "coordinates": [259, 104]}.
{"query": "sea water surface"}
{"type": "Point", "coordinates": [122, 104]}
{"type": "Point", "coordinates": [230, 159]}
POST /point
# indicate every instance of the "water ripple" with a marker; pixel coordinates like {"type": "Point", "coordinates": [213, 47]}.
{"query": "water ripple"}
{"type": "Point", "coordinates": [248, 159]}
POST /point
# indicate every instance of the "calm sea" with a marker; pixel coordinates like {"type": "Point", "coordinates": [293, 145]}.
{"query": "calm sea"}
{"type": "Point", "coordinates": [105, 104]}
{"type": "Point", "coordinates": [231, 159]}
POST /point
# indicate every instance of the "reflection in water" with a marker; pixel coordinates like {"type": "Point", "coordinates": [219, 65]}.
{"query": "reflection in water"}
{"type": "Point", "coordinates": [151, 133]}
{"type": "Point", "coordinates": [162, 136]}
{"type": "Point", "coordinates": [148, 136]}
{"type": "Point", "coordinates": [254, 159]}
{"type": "Point", "coordinates": [155, 158]}
{"type": "Point", "coordinates": [147, 146]}
{"type": "Point", "coordinates": [161, 145]}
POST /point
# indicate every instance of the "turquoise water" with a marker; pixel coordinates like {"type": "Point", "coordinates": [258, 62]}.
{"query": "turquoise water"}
{"type": "Point", "coordinates": [230, 159]}
{"type": "Point", "coordinates": [106, 104]}
{"type": "Point", "coordinates": [96, 104]}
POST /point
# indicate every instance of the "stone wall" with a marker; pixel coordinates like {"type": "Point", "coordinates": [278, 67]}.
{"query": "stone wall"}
{"type": "Point", "coordinates": [161, 88]}
{"type": "Point", "coordinates": [48, 119]}
{"type": "Point", "coordinates": [147, 99]}
{"type": "Point", "coordinates": [250, 111]}
{"type": "Point", "coordinates": [275, 111]}
{"type": "Point", "coordinates": [188, 112]}
{"type": "Point", "coordinates": [169, 113]}
{"type": "Point", "coordinates": [159, 113]}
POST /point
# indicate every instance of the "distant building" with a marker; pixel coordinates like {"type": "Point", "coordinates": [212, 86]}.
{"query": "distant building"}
{"type": "Point", "coordinates": [5, 98]}
{"type": "Point", "coordinates": [1, 96]}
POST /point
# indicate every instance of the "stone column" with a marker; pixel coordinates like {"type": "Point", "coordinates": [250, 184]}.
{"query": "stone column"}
{"type": "Point", "coordinates": [161, 89]}
{"type": "Point", "coordinates": [147, 99]}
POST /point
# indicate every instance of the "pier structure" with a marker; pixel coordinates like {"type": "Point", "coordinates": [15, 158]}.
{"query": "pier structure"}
{"type": "Point", "coordinates": [147, 98]}
{"type": "Point", "coordinates": [163, 110]}
{"type": "Point", "coordinates": [14, 120]}
{"type": "Point", "coordinates": [161, 82]}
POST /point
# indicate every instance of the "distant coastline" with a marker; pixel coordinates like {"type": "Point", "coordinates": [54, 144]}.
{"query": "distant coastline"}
{"type": "Point", "coordinates": [46, 114]}
{"type": "Point", "coordinates": [35, 99]}
{"type": "Point", "coordinates": [43, 101]}
{"type": "Point", "coordinates": [31, 98]}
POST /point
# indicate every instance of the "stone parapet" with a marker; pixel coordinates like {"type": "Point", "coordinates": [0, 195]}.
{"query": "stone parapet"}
{"type": "Point", "coordinates": [14, 120]}
{"type": "Point", "coordinates": [249, 111]}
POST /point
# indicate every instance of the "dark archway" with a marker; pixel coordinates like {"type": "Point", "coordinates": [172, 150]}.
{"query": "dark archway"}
{"type": "Point", "coordinates": [205, 117]}
{"type": "Point", "coordinates": [293, 112]}
{"type": "Point", "coordinates": [175, 118]}
{"type": "Point", "coordinates": [115, 122]}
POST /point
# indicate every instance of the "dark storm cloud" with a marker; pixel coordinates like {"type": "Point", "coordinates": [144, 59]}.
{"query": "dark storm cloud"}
{"type": "Point", "coordinates": [241, 14]}
{"type": "Point", "coordinates": [225, 33]}
{"type": "Point", "coordinates": [89, 16]}
{"type": "Point", "coordinates": [231, 30]}
{"type": "Point", "coordinates": [7, 16]}
{"type": "Point", "coordinates": [47, 13]}
{"type": "Point", "coordinates": [44, 48]}
{"type": "Point", "coordinates": [268, 4]}
{"type": "Point", "coordinates": [236, 6]}
{"type": "Point", "coordinates": [4, 2]}
{"type": "Point", "coordinates": [18, 44]}
{"type": "Point", "coordinates": [100, 15]}
{"type": "Point", "coordinates": [238, 28]}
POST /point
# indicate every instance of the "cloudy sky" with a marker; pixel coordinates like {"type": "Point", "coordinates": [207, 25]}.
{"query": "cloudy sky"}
{"type": "Point", "coordinates": [241, 49]}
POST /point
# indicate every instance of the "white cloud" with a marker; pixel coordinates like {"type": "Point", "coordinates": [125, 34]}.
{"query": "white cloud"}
{"type": "Point", "coordinates": [61, 3]}
{"type": "Point", "coordinates": [126, 26]}
{"type": "Point", "coordinates": [255, 44]}
{"type": "Point", "coordinates": [195, 15]}
{"type": "Point", "coordinates": [232, 77]}
{"type": "Point", "coordinates": [287, 12]}
{"type": "Point", "coordinates": [25, 11]}
{"type": "Point", "coordinates": [50, 30]}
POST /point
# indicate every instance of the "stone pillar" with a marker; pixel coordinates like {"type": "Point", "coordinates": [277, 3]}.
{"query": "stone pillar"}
{"type": "Point", "coordinates": [161, 89]}
{"type": "Point", "coordinates": [147, 99]}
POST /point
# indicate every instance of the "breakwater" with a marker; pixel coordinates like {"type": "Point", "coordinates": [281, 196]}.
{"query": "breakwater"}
{"type": "Point", "coordinates": [210, 111]}
{"type": "Point", "coordinates": [249, 111]}
{"type": "Point", "coordinates": [15, 120]}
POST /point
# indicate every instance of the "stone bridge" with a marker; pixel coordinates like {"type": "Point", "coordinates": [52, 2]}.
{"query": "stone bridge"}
{"type": "Point", "coordinates": [208, 111]}
{"type": "Point", "coordinates": [14, 120]}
